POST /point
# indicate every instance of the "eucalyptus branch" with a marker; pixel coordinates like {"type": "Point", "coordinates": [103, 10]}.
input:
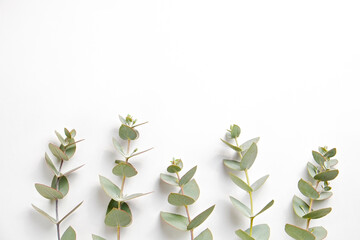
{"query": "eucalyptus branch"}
{"type": "Point", "coordinates": [118, 213]}
{"type": "Point", "coordinates": [188, 193]}
{"type": "Point", "coordinates": [60, 185]}
{"type": "Point", "coordinates": [247, 153]}
{"type": "Point", "coordinates": [316, 190]}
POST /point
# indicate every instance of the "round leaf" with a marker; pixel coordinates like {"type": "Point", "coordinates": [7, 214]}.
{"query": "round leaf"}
{"type": "Point", "coordinates": [117, 218]}
{"type": "Point", "coordinates": [240, 206]}
{"type": "Point", "coordinates": [205, 235]}
{"type": "Point", "coordinates": [177, 199]}
{"type": "Point", "coordinates": [169, 179]}
{"type": "Point", "coordinates": [192, 190]}
{"type": "Point", "coordinates": [330, 153]}
{"type": "Point", "coordinates": [307, 189]}
{"type": "Point", "coordinates": [63, 186]}
{"type": "Point", "coordinates": [319, 232]}
{"type": "Point", "coordinates": [175, 220]}
{"type": "Point", "coordinates": [233, 165]}
{"type": "Point", "coordinates": [298, 233]}
{"type": "Point", "coordinates": [300, 207]}
{"type": "Point", "coordinates": [327, 175]}
{"type": "Point", "coordinates": [110, 188]}
{"type": "Point", "coordinates": [173, 169]}
{"type": "Point", "coordinates": [312, 170]}
{"type": "Point", "coordinates": [319, 158]}
{"type": "Point", "coordinates": [235, 131]}
{"type": "Point", "coordinates": [260, 232]}
{"type": "Point", "coordinates": [124, 169]}
{"type": "Point", "coordinates": [243, 235]}
{"type": "Point", "coordinates": [246, 145]}
{"type": "Point", "coordinates": [69, 234]}
{"type": "Point", "coordinates": [324, 196]}
{"type": "Point", "coordinates": [128, 133]}
{"type": "Point", "coordinates": [48, 192]}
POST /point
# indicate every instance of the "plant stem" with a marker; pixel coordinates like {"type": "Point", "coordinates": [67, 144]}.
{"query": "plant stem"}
{"type": "Point", "coordinates": [57, 202]}
{"type": "Point", "coordinates": [186, 209]}
{"type": "Point", "coordinates": [310, 207]}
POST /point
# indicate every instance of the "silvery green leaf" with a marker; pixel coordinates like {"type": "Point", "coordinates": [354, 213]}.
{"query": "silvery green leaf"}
{"type": "Point", "coordinates": [61, 139]}
{"type": "Point", "coordinates": [241, 207]}
{"type": "Point", "coordinates": [298, 233]}
{"type": "Point", "coordinates": [317, 213]}
{"type": "Point", "coordinates": [63, 186]}
{"type": "Point", "coordinates": [67, 133]}
{"type": "Point", "coordinates": [246, 145]}
{"type": "Point", "coordinates": [110, 188]}
{"type": "Point", "coordinates": [118, 147]}
{"type": "Point", "coordinates": [42, 212]}
{"type": "Point", "coordinates": [133, 196]}
{"type": "Point", "coordinates": [128, 133]}
{"type": "Point", "coordinates": [243, 235]}
{"type": "Point", "coordinates": [48, 192]}
{"type": "Point", "coordinates": [300, 207]}
{"type": "Point", "coordinates": [240, 183]}
{"type": "Point", "coordinates": [330, 153]}
{"type": "Point", "coordinates": [169, 179]}
{"type": "Point", "coordinates": [117, 217]}
{"type": "Point", "coordinates": [233, 165]}
{"type": "Point", "coordinates": [192, 189]}
{"type": "Point", "coordinates": [319, 158]}
{"type": "Point", "coordinates": [175, 220]}
{"type": "Point", "coordinates": [69, 234]}
{"type": "Point", "coordinates": [328, 175]}
{"type": "Point", "coordinates": [324, 196]}
{"type": "Point", "coordinates": [319, 232]}
{"type": "Point", "coordinates": [51, 165]}
{"type": "Point", "coordinates": [307, 189]}
{"type": "Point", "coordinates": [256, 185]}
{"type": "Point", "coordinates": [235, 131]}
{"type": "Point", "coordinates": [237, 149]}
{"type": "Point", "coordinates": [205, 235]}
{"type": "Point", "coordinates": [199, 219]}
{"type": "Point", "coordinates": [56, 151]}
{"type": "Point", "coordinates": [178, 199]}
{"type": "Point", "coordinates": [331, 163]}
{"type": "Point", "coordinates": [267, 206]}
{"type": "Point", "coordinates": [260, 232]}
{"type": "Point", "coordinates": [312, 170]}
{"type": "Point", "coordinates": [124, 169]}
{"type": "Point", "coordinates": [187, 176]}
{"type": "Point", "coordinates": [173, 168]}
{"type": "Point", "coordinates": [95, 237]}
{"type": "Point", "coordinates": [249, 157]}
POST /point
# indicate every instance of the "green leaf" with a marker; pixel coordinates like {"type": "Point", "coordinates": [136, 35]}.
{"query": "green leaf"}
{"type": "Point", "coordinates": [256, 185]}
{"type": "Point", "coordinates": [173, 169]}
{"type": "Point", "coordinates": [42, 212]}
{"type": "Point", "coordinates": [70, 149]}
{"type": "Point", "coordinates": [122, 120]}
{"type": "Point", "coordinates": [63, 185]}
{"type": "Point", "coordinates": [249, 157]}
{"type": "Point", "coordinates": [260, 232]}
{"type": "Point", "coordinates": [312, 170]}
{"type": "Point", "coordinates": [192, 190]}
{"type": "Point", "coordinates": [175, 220]}
{"type": "Point", "coordinates": [73, 133]}
{"type": "Point", "coordinates": [112, 204]}
{"type": "Point", "coordinates": [178, 199]}
{"type": "Point", "coordinates": [327, 175]}
{"type": "Point", "coordinates": [56, 151]}
{"type": "Point", "coordinates": [317, 213]}
{"type": "Point", "coordinates": [235, 131]}
{"type": "Point", "coordinates": [133, 196]}
{"type": "Point", "coordinates": [319, 232]}
{"type": "Point", "coordinates": [48, 192]}
{"type": "Point", "coordinates": [169, 179]}
{"type": "Point", "coordinates": [237, 149]}
{"type": "Point", "coordinates": [205, 235]}
{"type": "Point", "coordinates": [238, 181]}
{"type": "Point", "coordinates": [265, 208]}
{"type": "Point", "coordinates": [298, 233]}
{"type": "Point", "coordinates": [118, 146]}
{"type": "Point", "coordinates": [95, 237]}
{"type": "Point", "coordinates": [110, 188]}
{"type": "Point", "coordinates": [69, 213]}
{"type": "Point", "coordinates": [69, 234]}
{"type": "Point", "coordinates": [240, 206]}
{"type": "Point", "coordinates": [61, 139]}
{"type": "Point", "coordinates": [117, 217]}
{"type": "Point", "coordinates": [307, 189]}
{"type": "Point", "coordinates": [187, 176]}
{"type": "Point", "coordinates": [199, 219]}
{"type": "Point", "coordinates": [331, 163]}
{"type": "Point", "coordinates": [324, 196]}
{"type": "Point", "coordinates": [124, 169]}
{"type": "Point", "coordinates": [246, 145]}
{"type": "Point", "coordinates": [67, 133]}
{"type": "Point", "coordinates": [232, 164]}
{"type": "Point", "coordinates": [51, 165]}
{"type": "Point", "coordinates": [243, 235]}
{"type": "Point", "coordinates": [128, 133]}
{"type": "Point", "coordinates": [72, 170]}
{"type": "Point", "coordinates": [300, 207]}
{"type": "Point", "coordinates": [319, 158]}
{"type": "Point", "coordinates": [330, 153]}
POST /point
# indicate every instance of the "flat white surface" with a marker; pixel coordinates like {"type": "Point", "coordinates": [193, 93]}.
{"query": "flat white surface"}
{"type": "Point", "coordinates": [287, 71]}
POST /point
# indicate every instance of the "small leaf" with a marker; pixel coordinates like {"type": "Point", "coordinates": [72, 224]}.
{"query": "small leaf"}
{"type": "Point", "coordinates": [300, 207]}
{"type": "Point", "coordinates": [51, 165]}
{"type": "Point", "coordinates": [177, 199]}
{"type": "Point", "coordinates": [205, 235]}
{"type": "Point", "coordinates": [324, 196]}
{"type": "Point", "coordinates": [63, 186]}
{"type": "Point", "coordinates": [319, 232]}
{"type": "Point", "coordinates": [95, 237]}
{"type": "Point", "coordinates": [298, 233]}
{"type": "Point", "coordinates": [187, 176]}
{"type": "Point", "coordinates": [72, 170]}
{"type": "Point", "coordinates": [112, 204]}
{"type": "Point", "coordinates": [237, 149]}
{"type": "Point", "coordinates": [175, 220]}
{"type": "Point", "coordinates": [69, 213]}
{"type": "Point", "coordinates": [117, 217]}
{"type": "Point", "coordinates": [192, 190]}
{"type": "Point", "coordinates": [312, 170]}
{"type": "Point", "coordinates": [73, 133]}
{"type": "Point", "coordinates": [232, 164]}
{"type": "Point", "coordinates": [256, 185]}
{"type": "Point", "coordinates": [244, 235]}
{"type": "Point", "coordinates": [307, 189]}
{"type": "Point", "coordinates": [70, 149]}
{"type": "Point", "coordinates": [199, 219]}
{"type": "Point", "coordinates": [331, 163]}
{"type": "Point", "coordinates": [67, 133]}
{"type": "Point", "coordinates": [118, 146]}
{"type": "Point", "coordinates": [42, 212]}
{"type": "Point", "coordinates": [235, 131]}
{"type": "Point", "coordinates": [249, 157]}
{"type": "Point", "coordinates": [169, 179]}
{"type": "Point", "coordinates": [319, 158]}
{"type": "Point", "coordinates": [133, 196]}
{"type": "Point", "coordinates": [240, 206]}
{"type": "Point", "coordinates": [110, 188]}
{"type": "Point", "coordinates": [330, 153]}
{"type": "Point", "coordinates": [69, 234]}
{"type": "Point", "coordinates": [327, 175]}
{"type": "Point", "coordinates": [56, 151]}
{"type": "Point", "coordinates": [128, 133]}
{"type": "Point", "coordinates": [317, 213]}
{"type": "Point", "coordinates": [124, 169]}
{"type": "Point", "coordinates": [61, 139]}
{"type": "Point", "coordinates": [238, 181]}
{"type": "Point", "coordinates": [265, 208]}
{"type": "Point", "coordinates": [173, 169]}
{"type": "Point", "coordinates": [246, 145]}
{"type": "Point", "coordinates": [48, 192]}
{"type": "Point", "coordinates": [122, 120]}
{"type": "Point", "coordinates": [260, 232]}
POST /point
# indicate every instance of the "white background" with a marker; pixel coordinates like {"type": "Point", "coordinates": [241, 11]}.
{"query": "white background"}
{"type": "Point", "coordinates": [286, 71]}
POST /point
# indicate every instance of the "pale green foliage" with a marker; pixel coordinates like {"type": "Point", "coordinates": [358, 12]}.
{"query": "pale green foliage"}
{"type": "Point", "coordinates": [118, 213]}
{"type": "Point", "coordinates": [59, 186]}
{"type": "Point", "coordinates": [188, 194]}
{"type": "Point", "coordinates": [317, 189]}
{"type": "Point", "coordinates": [246, 155]}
